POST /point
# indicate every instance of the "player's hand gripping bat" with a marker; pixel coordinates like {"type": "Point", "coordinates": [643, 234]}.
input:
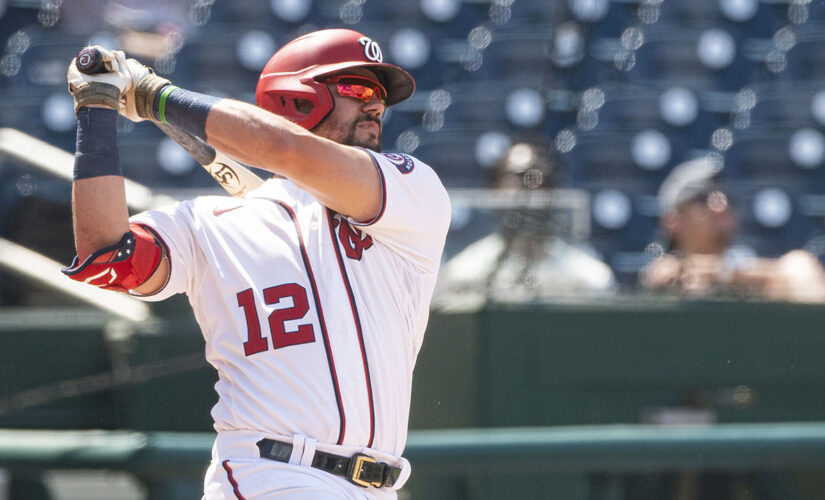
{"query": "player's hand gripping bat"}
{"type": "Point", "coordinates": [235, 178]}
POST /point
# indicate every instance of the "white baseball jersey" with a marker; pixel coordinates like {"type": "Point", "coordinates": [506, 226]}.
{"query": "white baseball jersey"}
{"type": "Point", "coordinates": [313, 321]}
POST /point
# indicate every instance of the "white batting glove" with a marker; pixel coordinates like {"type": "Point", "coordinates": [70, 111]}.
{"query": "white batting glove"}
{"type": "Point", "coordinates": [101, 88]}
{"type": "Point", "coordinates": [136, 72]}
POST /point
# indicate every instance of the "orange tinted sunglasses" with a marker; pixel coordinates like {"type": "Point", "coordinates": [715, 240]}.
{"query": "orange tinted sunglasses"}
{"type": "Point", "coordinates": [358, 87]}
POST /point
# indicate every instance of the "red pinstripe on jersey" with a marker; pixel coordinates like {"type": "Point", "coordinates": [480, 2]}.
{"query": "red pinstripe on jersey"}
{"type": "Point", "coordinates": [232, 481]}
{"type": "Point", "coordinates": [356, 318]}
{"type": "Point", "coordinates": [324, 334]}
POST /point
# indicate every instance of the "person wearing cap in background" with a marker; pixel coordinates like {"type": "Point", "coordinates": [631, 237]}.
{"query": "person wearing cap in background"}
{"type": "Point", "coordinates": [700, 224]}
{"type": "Point", "coordinates": [526, 259]}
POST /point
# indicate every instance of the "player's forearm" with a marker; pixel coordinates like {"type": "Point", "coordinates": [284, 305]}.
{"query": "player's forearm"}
{"type": "Point", "coordinates": [99, 212]}
{"type": "Point", "coordinates": [256, 137]}
{"type": "Point", "coordinates": [232, 127]}
{"type": "Point", "coordinates": [342, 178]}
{"type": "Point", "coordinates": [99, 206]}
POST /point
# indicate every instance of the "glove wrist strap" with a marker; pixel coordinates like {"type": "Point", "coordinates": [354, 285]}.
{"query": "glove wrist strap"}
{"type": "Point", "coordinates": [145, 92]}
{"type": "Point", "coordinates": [96, 93]}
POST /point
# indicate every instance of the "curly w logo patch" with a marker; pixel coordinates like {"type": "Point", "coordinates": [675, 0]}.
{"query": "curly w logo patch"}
{"type": "Point", "coordinates": [352, 240]}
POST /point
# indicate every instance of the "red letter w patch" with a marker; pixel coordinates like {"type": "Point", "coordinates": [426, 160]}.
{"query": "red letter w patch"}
{"type": "Point", "coordinates": [352, 239]}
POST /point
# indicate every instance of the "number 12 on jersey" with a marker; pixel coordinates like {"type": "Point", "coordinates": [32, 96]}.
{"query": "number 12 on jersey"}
{"type": "Point", "coordinates": [256, 342]}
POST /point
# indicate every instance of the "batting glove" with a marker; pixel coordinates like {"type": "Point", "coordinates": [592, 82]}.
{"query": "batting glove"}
{"type": "Point", "coordinates": [139, 99]}
{"type": "Point", "coordinates": [101, 88]}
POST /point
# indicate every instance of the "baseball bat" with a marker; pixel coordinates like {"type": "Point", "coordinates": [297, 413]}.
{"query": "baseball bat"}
{"type": "Point", "coordinates": [232, 176]}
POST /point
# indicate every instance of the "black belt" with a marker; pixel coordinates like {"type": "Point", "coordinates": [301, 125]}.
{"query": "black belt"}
{"type": "Point", "coordinates": [358, 469]}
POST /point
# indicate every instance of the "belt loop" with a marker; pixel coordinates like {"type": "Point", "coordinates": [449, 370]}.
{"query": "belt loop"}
{"type": "Point", "coordinates": [309, 451]}
{"type": "Point", "coordinates": [298, 441]}
{"type": "Point", "coordinates": [406, 469]}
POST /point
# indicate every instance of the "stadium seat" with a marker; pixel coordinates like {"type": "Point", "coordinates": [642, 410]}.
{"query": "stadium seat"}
{"type": "Point", "coordinates": [699, 58]}
{"type": "Point", "coordinates": [451, 153]}
{"type": "Point", "coordinates": [771, 218]}
{"type": "Point", "coordinates": [806, 58]}
{"type": "Point", "coordinates": [635, 159]}
{"type": "Point", "coordinates": [528, 14]}
{"type": "Point", "coordinates": [517, 54]}
{"type": "Point", "coordinates": [786, 101]}
{"type": "Point", "coordinates": [477, 103]}
{"type": "Point", "coordinates": [778, 151]}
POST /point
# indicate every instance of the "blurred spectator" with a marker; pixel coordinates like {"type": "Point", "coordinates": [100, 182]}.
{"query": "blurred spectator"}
{"type": "Point", "coordinates": [526, 259]}
{"type": "Point", "coordinates": [151, 30]}
{"type": "Point", "coordinates": [92, 16]}
{"type": "Point", "coordinates": [699, 224]}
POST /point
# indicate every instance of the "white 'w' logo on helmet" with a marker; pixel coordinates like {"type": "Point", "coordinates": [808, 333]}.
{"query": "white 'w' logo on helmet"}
{"type": "Point", "coordinates": [371, 49]}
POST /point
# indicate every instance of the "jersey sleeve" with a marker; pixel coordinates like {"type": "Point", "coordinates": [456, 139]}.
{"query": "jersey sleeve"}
{"type": "Point", "coordinates": [415, 215]}
{"type": "Point", "coordinates": [171, 226]}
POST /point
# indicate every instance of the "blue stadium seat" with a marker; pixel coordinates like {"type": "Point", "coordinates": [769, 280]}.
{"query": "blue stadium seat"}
{"type": "Point", "coordinates": [626, 104]}
{"type": "Point", "coordinates": [765, 152]}
{"type": "Point", "coordinates": [451, 153]}
{"type": "Point", "coordinates": [806, 59]}
{"type": "Point", "coordinates": [138, 158]}
{"type": "Point", "coordinates": [517, 54]}
{"type": "Point", "coordinates": [602, 18]}
{"type": "Point", "coordinates": [605, 157]}
{"type": "Point", "coordinates": [772, 241]}
{"type": "Point", "coordinates": [208, 62]}
{"type": "Point", "coordinates": [635, 107]}
{"type": "Point", "coordinates": [621, 245]}
{"type": "Point", "coordinates": [44, 61]}
{"type": "Point", "coordinates": [690, 13]}
{"type": "Point", "coordinates": [456, 24]}
{"type": "Point", "coordinates": [669, 54]}
{"type": "Point", "coordinates": [395, 122]}
{"type": "Point", "coordinates": [782, 102]}
{"type": "Point", "coordinates": [764, 22]}
{"type": "Point", "coordinates": [478, 103]}
{"type": "Point", "coordinates": [374, 12]}
{"type": "Point", "coordinates": [528, 14]}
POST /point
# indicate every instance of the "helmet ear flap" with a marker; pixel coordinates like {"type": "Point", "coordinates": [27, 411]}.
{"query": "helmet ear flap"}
{"type": "Point", "coordinates": [322, 105]}
{"type": "Point", "coordinates": [285, 102]}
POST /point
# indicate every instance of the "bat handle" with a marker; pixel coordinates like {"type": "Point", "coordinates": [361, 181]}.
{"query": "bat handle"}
{"type": "Point", "coordinates": [90, 61]}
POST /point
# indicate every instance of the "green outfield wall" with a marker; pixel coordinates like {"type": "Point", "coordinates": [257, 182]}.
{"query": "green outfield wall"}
{"type": "Point", "coordinates": [553, 366]}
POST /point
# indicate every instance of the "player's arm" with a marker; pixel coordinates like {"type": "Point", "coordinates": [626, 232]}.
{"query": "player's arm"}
{"type": "Point", "coordinates": [99, 211]}
{"type": "Point", "coordinates": [343, 178]}
{"type": "Point", "coordinates": [100, 219]}
{"type": "Point", "coordinates": [110, 253]}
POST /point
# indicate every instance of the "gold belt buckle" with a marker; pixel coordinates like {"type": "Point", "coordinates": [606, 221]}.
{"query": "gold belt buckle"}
{"type": "Point", "coordinates": [357, 468]}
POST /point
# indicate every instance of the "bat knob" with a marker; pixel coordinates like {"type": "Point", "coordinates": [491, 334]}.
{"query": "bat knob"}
{"type": "Point", "coordinates": [90, 61]}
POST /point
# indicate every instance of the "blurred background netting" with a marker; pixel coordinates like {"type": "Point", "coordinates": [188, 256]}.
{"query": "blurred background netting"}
{"type": "Point", "coordinates": [621, 90]}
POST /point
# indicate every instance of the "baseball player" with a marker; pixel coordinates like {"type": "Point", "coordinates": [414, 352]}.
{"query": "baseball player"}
{"type": "Point", "coordinates": [312, 292]}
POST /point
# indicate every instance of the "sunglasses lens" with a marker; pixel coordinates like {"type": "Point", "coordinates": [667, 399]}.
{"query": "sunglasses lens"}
{"type": "Point", "coordinates": [359, 88]}
{"type": "Point", "coordinates": [356, 91]}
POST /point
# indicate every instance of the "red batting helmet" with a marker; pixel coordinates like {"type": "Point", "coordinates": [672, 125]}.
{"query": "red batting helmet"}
{"type": "Point", "coordinates": [298, 69]}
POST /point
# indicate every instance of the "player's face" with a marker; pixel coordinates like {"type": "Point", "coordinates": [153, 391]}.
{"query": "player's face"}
{"type": "Point", "coordinates": [353, 121]}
